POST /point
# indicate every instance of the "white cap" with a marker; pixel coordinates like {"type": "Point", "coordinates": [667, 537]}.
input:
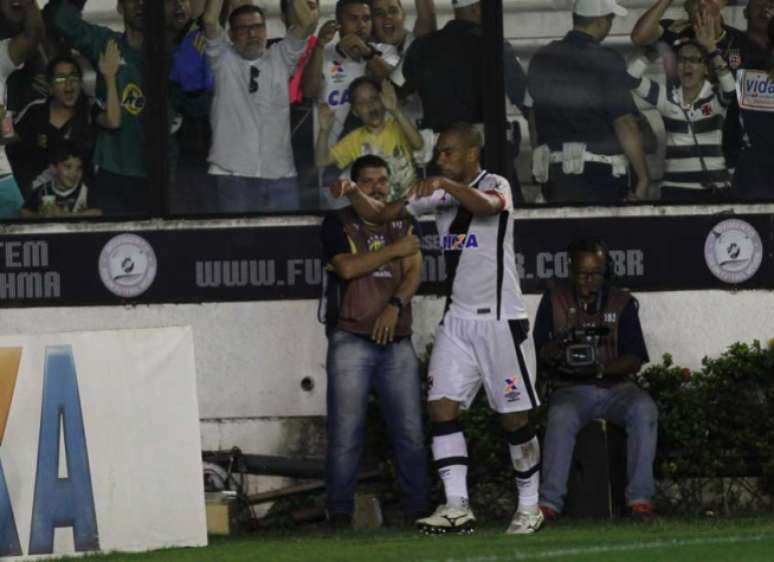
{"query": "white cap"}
{"type": "Point", "coordinates": [595, 8]}
{"type": "Point", "coordinates": [464, 3]}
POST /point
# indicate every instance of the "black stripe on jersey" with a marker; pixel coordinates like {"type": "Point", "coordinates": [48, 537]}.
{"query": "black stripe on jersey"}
{"type": "Point", "coordinates": [708, 99]}
{"type": "Point", "coordinates": [502, 227]}
{"type": "Point", "coordinates": [460, 225]}
{"type": "Point", "coordinates": [652, 96]}
{"type": "Point", "coordinates": [694, 151]}
{"type": "Point", "coordinates": [708, 125]}
{"type": "Point", "coordinates": [698, 176]}
{"type": "Point", "coordinates": [519, 333]}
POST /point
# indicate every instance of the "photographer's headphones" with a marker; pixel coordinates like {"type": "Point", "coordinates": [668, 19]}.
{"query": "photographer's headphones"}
{"type": "Point", "coordinates": [591, 246]}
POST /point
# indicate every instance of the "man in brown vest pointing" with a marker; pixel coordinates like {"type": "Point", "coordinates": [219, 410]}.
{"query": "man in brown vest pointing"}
{"type": "Point", "coordinates": [590, 342]}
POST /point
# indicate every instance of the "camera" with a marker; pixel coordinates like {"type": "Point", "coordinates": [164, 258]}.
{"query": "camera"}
{"type": "Point", "coordinates": [580, 354]}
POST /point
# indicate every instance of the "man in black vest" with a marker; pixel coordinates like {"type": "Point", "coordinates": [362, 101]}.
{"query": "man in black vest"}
{"type": "Point", "coordinates": [374, 270]}
{"type": "Point", "coordinates": [590, 343]}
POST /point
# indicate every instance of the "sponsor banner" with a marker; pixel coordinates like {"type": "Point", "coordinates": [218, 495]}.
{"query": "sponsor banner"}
{"type": "Point", "coordinates": [99, 443]}
{"type": "Point", "coordinates": [277, 263]}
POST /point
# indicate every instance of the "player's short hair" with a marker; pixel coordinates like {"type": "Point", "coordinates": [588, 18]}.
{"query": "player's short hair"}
{"type": "Point", "coordinates": [342, 3]}
{"type": "Point", "coordinates": [62, 59]}
{"type": "Point", "coordinates": [357, 82]}
{"type": "Point", "coordinates": [367, 161]}
{"type": "Point", "coordinates": [467, 132]}
{"type": "Point", "coordinates": [64, 149]}
{"type": "Point", "coordinates": [246, 9]}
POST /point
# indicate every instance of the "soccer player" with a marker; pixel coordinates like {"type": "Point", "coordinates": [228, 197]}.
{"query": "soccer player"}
{"type": "Point", "coordinates": [483, 337]}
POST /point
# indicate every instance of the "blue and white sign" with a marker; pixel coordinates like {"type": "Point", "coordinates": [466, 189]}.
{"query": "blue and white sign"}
{"type": "Point", "coordinates": [99, 443]}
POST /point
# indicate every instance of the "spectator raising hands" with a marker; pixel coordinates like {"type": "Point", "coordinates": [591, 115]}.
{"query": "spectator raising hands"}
{"type": "Point", "coordinates": [108, 63]}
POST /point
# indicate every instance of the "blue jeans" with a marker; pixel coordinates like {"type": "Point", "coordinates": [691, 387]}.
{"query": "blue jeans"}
{"type": "Point", "coordinates": [571, 408]}
{"type": "Point", "coordinates": [355, 367]}
{"type": "Point", "coordinates": [238, 194]}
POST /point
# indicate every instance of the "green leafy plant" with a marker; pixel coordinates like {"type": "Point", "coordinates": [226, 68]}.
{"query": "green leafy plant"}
{"type": "Point", "coordinates": [716, 430]}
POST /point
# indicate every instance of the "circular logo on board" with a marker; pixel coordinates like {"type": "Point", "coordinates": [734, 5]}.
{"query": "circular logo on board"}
{"type": "Point", "coordinates": [127, 265]}
{"type": "Point", "coordinates": [733, 251]}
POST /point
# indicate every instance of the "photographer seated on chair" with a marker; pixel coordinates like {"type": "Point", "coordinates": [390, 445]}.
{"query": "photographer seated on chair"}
{"type": "Point", "coordinates": [589, 342]}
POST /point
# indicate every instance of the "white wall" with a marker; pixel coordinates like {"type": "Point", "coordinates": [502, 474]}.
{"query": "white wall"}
{"type": "Point", "coordinates": [252, 356]}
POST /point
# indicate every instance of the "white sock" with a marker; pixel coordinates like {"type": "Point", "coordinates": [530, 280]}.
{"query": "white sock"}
{"type": "Point", "coordinates": [526, 462]}
{"type": "Point", "coordinates": [451, 459]}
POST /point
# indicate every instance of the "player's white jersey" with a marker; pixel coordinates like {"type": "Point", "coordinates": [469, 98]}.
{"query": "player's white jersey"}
{"type": "Point", "coordinates": [482, 279]}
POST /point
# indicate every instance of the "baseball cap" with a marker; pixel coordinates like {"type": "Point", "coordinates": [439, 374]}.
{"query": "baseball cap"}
{"type": "Point", "coordinates": [594, 8]}
{"type": "Point", "coordinates": [463, 3]}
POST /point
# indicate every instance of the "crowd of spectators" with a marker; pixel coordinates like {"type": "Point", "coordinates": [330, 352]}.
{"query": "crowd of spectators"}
{"type": "Point", "coordinates": [259, 124]}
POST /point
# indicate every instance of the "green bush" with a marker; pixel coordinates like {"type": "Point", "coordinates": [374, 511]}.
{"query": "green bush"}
{"type": "Point", "coordinates": [716, 429]}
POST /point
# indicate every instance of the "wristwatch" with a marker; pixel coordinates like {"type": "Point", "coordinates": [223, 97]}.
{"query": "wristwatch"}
{"type": "Point", "coordinates": [396, 302]}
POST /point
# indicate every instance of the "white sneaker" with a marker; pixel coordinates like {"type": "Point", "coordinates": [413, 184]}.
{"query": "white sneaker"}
{"type": "Point", "coordinates": [525, 522]}
{"type": "Point", "coordinates": [448, 519]}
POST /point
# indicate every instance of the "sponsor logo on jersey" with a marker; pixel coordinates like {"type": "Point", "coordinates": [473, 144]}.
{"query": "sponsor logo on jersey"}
{"type": "Point", "coordinates": [133, 99]}
{"type": "Point", "coordinates": [338, 73]}
{"type": "Point", "coordinates": [127, 265]}
{"type": "Point", "coordinates": [733, 251]}
{"type": "Point", "coordinates": [459, 241]}
{"type": "Point", "coordinates": [511, 389]}
{"type": "Point", "coordinates": [375, 243]}
{"type": "Point", "coordinates": [338, 97]}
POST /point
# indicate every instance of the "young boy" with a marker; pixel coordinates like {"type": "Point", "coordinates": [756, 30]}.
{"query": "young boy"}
{"type": "Point", "coordinates": [393, 139]}
{"type": "Point", "coordinates": [64, 194]}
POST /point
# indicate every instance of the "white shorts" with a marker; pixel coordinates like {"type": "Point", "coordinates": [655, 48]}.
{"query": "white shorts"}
{"type": "Point", "coordinates": [497, 353]}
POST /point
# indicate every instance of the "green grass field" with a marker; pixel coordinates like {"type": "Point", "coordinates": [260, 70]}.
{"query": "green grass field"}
{"type": "Point", "coordinates": [734, 540]}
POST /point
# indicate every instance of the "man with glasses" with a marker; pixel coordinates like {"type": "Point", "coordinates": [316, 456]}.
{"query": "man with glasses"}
{"type": "Point", "coordinates": [590, 344]}
{"type": "Point", "coordinates": [251, 158]}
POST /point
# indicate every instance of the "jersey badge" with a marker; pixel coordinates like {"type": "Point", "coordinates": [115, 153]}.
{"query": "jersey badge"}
{"type": "Point", "coordinates": [511, 391]}
{"type": "Point", "coordinates": [133, 99]}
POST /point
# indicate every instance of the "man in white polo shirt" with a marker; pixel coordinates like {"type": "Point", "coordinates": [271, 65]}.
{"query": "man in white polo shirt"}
{"type": "Point", "coordinates": [251, 158]}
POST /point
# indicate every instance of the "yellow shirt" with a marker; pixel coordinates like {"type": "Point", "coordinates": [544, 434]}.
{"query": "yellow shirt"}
{"type": "Point", "coordinates": [390, 143]}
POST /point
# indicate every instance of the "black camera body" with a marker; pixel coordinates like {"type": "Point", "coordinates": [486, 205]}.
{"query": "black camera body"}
{"type": "Point", "coordinates": [580, 353]}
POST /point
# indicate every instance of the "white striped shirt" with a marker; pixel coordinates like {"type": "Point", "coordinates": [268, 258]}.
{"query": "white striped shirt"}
{"type": "Point", "coordinates": [694, 131]}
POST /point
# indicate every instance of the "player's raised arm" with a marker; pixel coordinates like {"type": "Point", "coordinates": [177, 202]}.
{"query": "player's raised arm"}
{"type": "Point", "coordinates": [368, 208]}
{"type": "Point", "coordinates": [480, 203]}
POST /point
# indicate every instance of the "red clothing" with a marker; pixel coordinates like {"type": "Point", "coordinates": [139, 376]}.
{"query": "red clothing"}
{"type": "Point", "coordinates": [296, 95]}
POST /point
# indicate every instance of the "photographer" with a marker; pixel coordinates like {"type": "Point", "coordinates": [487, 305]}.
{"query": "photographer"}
{"type": "Point", "coordinates": [590, 343]}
